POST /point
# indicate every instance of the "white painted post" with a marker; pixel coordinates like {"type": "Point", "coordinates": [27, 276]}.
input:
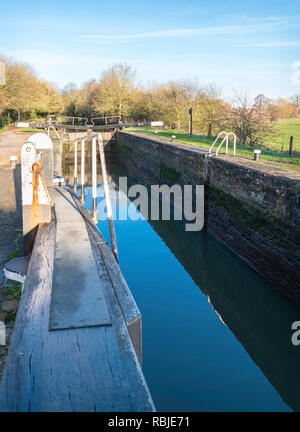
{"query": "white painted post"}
{"type": "Point", "coordinates": [2, 333]}
{"type": "Point", "coordinates": [82, 170]}
{"type": "Point", "coordinates": [43, 144]}
{"type": "Point", "coordinates": [36, 204]}
{"type": "Point", "coordinates": [94, 179]}
{"type": "Point", "coordinates": [75, 166]}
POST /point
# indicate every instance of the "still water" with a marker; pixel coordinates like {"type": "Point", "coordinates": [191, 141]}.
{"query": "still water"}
{"type": "Point", "coordinates": [216, 336]}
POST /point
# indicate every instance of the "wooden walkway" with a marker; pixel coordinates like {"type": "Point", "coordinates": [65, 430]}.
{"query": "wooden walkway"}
{"type": "Point", "coordinates": [93, 368]}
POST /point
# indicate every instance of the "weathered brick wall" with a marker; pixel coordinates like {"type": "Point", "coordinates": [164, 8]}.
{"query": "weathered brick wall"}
{"type": "Point", "coordinates": [279, 196]}
{"type": "Point", "coordinates": [256, 214]}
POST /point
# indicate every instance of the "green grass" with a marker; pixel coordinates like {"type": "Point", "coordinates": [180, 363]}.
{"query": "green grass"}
{"type": "Point", "coordinates": [14, 254]}
{"type": "Point", "coordinates": [13, 291]}
{"type": "Point", "coordinates": [29, 130]}
{"type": "Point", "coordinates": [3, 129]}
{"type": "Point", "coordinates": [284, 130]}
{"type": "Point", "coordinates": [10, 318]}
{"type": "Point", "coordinates": [204, 142]}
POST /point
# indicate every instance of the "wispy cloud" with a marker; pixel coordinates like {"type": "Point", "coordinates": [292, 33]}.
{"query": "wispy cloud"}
{"type": "Point", "coordinates": [216, 30]}
{"type": "Point", "coordinates": [185, 12]}
{"type": "Point", "coordinates": [277, 44]}
{"type": "Point", "coordinates": [275, 18]}
{"type": "Point", "coordinates": [256, 19]}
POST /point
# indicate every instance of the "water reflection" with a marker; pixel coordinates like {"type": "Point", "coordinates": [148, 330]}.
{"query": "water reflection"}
{"type": "Point", "coordinates": [192, 361]}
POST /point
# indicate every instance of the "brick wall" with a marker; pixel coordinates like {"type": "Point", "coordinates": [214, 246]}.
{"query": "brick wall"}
{"type": "Point", "coordinates": [250, 209]}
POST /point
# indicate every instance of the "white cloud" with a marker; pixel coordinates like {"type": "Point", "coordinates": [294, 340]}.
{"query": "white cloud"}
{"type": "Point", "coordinates": [277, 44]}
{"type": "Point", "coordinates": [216, 30]}
{"type": "Point", "coordinates": [275, 18]}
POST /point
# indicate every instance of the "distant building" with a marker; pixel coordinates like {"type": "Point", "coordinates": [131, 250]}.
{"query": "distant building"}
{"type": "Point", "coordinates": [2, 73]}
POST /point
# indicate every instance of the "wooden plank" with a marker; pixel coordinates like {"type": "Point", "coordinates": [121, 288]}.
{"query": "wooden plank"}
{"type": "Point", "coordinates": [77, 298]}
{"type": "Point", "coordinates": [83, 369]}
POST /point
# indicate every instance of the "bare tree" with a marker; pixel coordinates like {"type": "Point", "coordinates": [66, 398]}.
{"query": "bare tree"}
{"type": "Point", "coordinates": [295, 99]}
{"type": "Point", "coordinates": [251, 123]}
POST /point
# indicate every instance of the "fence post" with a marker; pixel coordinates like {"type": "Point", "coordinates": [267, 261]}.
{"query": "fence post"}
{"type": "Point", "coordinates": [191, 121]}
{"type": "Point", "coordinates": [291, 146]}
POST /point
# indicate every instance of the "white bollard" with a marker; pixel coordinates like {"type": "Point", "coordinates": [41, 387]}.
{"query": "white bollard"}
{"type": "Point", "coordinates": [13, 161]}
{"type": "Point", "coordinates": [256, 154]}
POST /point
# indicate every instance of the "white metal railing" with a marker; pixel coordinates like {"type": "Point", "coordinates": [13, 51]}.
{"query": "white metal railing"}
{"type": "Point", "coordinates": [73, 120]}
{"type": "Point", "coordinates": [53, 128]}
{"type": "Point", "coordinates": [96, 137]}
{"type": "Point", "coordinates": [105, 119]}
{"type": "Point", "coordinates": [67, 120]}
{"type": "Point", "coordinates": [226, 140]}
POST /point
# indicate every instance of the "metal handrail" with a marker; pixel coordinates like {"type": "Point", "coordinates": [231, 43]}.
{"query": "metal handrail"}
{"type": "Point", "coordinates": [226, 148]}
{"type": "Point", "coordinates": [52, 127]}
{"type": "Point", "coordinates": [224, 139]}
{"type": "Point", "coordinates": [96, 137]}
{"type": "Point", "coordinates": [234, 142]}
{"type": "Point", "coordinates": [221, 133]}
{"type": "Point", "coordinates": [58, 119]}
{"type": "Point", "coordinates": [85, 119]}
{"type": "Point", "coordinates": [105, 119]}
{"type": "Point", "coordinates": [107, 198]}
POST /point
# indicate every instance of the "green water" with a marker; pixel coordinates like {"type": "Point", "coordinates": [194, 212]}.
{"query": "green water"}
{"type": "Point", "coordinates": [216, 336]}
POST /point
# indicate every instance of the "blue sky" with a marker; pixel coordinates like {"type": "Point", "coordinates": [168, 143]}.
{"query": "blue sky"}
{"type": "Point", "coordinates": [250, 45]}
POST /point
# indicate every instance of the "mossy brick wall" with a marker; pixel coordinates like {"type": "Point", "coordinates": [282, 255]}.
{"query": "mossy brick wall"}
{"type": "Point", "coordinates": [276, 195]}
{"type": "Point", "coordinates": [256, 214]}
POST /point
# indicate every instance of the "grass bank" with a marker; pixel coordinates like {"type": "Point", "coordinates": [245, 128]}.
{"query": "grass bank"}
{"type": "Point", "coordinates": [204, 142]}
{"type": "Point", "coordinates": [29, 130]}
{"type": "Point", "coordinates": [284, 129]}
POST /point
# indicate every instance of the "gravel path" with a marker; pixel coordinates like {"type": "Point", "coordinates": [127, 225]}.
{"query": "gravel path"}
{"type": "Point", "coordinates": [10, 226]}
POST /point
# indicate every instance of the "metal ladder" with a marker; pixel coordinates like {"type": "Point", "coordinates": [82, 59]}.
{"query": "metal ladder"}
{"type": "Point", "coordinates": [225, 139]}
